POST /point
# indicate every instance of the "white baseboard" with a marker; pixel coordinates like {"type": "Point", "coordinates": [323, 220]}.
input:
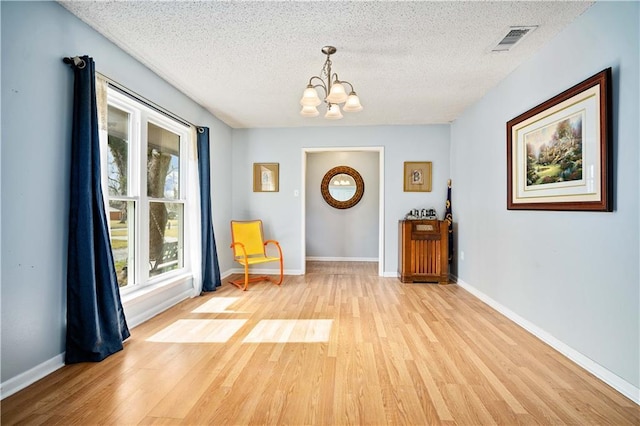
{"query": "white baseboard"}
{"type": "Point", "coordinates": [23, 380]}
{"type": "Point", "coordinates": [388, 274]}
{"type": "Point", "coordinates": [610, 378]}
{"type": "Point", "coordinates": [342, 259]}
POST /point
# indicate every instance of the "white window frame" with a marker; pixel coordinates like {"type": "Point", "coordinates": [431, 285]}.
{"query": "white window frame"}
{"type": "Point", "coordinates": [139, 117]}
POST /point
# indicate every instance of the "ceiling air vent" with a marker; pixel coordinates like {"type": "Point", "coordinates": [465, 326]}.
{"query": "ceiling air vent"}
{"type": "Point", "coordinates": [514, 35]}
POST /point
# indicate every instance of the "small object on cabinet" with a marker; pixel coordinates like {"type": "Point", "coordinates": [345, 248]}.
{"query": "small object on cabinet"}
{"type": "Point", "coordinates": [416, 214]}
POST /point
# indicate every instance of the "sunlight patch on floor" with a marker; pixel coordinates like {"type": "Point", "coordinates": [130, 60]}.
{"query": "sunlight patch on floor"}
{"type": "Point", "coordinates": [290, 331]}
{"type": "Point", "coordinates": [216, 305]}
{"type": "Point", "coordinates": [198, 331]}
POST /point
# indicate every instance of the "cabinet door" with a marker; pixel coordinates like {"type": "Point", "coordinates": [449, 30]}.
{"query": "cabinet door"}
{"type": "Point", "coordinates": [423, 247]}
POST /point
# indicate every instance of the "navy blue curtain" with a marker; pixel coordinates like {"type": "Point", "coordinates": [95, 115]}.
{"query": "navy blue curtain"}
{"type": "Point", "coordinates": [210, 266]}
{"type": "Point", "coordinates": [96, 326]}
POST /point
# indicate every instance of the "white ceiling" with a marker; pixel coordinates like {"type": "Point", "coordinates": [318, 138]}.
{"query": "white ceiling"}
{"type": "Point", "coordinates": [249, 62]}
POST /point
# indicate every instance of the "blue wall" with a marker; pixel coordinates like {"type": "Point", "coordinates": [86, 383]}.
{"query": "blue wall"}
{"type": "Point", "coordinates": [572, 275]}
{"type": "Point", "coordinates": [36, 135]}
{"type": "Point", "coordinates": [283, 210]}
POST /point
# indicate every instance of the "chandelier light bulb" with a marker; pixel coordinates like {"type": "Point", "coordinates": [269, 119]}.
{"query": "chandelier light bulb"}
{"type": "Point", "coordinates": [310, 97]}
{"type": "Point", "coordinates": [333, 113]}
{"type": "Point", "coordinates": [309, 111]}
{"type": "Point", "coordinates": [352, 104]}
{"type": "Point", "coordinates": [337, 94]}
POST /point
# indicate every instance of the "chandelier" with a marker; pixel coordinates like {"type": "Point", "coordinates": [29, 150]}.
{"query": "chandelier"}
{"type": "Point", "coordinates": [334, 92]}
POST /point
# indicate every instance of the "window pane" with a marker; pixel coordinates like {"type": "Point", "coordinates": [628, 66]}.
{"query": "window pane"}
{"type": "Point", "coordinates": [121, 221]}
{"type": "Point", "coordinates": [118, 155]}
{"type": "Point", "coordinates": [165, 237]}
{"type": "Point", "coordinates": [163, 163]}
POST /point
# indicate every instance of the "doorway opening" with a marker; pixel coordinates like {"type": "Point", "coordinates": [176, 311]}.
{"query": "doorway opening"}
{"type": "Point", "coordinates": [380, 226]}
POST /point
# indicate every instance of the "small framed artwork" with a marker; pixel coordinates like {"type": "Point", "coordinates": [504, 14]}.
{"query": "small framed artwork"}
{"type": "Point", "coordinates": [417, 176]}
{"type": "Point", "coordinates": [265, 177]}
{"type": "Point", "coordinates": [559, 153]}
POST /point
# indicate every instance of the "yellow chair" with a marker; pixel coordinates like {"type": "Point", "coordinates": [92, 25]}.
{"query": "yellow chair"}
{"type": "Point", "coordinates": [249, 248]}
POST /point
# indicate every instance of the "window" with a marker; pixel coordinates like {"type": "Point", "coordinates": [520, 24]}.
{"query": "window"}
{"type": "Point", "coordinates": [146, 166]}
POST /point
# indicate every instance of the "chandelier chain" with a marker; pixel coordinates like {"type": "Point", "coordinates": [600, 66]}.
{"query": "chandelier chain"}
{"type": "Point", "coordinates": [326, 73]}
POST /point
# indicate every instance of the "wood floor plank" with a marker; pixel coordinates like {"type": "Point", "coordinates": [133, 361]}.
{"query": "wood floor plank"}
{"type": "Point", "coordinates": [434, 394]}
{"type": "Point", "coordinates": [396, 354]}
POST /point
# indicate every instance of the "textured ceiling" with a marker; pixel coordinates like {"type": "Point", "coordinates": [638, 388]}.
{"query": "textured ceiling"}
{"type": "Point", "coordinates": [249, 62]}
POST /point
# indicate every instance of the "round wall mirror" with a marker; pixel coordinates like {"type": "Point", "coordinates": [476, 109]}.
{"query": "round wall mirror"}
{"type": "Point", "coordinates": [342, 187]}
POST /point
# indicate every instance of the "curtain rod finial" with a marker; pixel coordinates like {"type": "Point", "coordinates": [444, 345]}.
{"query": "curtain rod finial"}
{"type": "Point", "coordinates": [75, 61]}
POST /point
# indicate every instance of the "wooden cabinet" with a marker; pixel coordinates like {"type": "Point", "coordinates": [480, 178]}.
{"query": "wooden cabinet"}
{"type": "Point", "coordinates": [423, 251]}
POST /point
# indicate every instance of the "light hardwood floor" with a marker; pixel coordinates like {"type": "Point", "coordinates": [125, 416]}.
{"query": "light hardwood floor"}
{"type": "Point", "coordinates": [381, 352]}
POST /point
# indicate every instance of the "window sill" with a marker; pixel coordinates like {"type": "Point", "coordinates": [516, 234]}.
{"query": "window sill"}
{"type": "Point", "coordinates": [142, 304]}
{"type": "Point", "coordinates": [151, 290]}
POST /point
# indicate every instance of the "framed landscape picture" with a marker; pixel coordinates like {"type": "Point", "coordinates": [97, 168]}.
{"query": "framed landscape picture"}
{"type": "Point", "coordinates": [559, 153]}
{"type": "Point", "coordinates": [265, 177]}
{"type": "Point", "coordinates": [417, 176]}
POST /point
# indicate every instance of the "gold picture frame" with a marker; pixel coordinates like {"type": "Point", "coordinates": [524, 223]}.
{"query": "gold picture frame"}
{"type": "Point", "coordinates": [417, 176]}
{"type": "Point", "coordinates": [265, 177]}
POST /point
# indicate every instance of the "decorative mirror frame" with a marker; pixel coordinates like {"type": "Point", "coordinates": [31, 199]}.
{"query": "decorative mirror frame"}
{"type": "Point", "coordinates": [324, 187]}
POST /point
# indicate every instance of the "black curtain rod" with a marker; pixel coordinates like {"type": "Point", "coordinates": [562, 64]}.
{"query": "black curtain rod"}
{"type": "Point", "coordinates": [79, 62]}
{"type": "Point", "coordinates": [146, 102]}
